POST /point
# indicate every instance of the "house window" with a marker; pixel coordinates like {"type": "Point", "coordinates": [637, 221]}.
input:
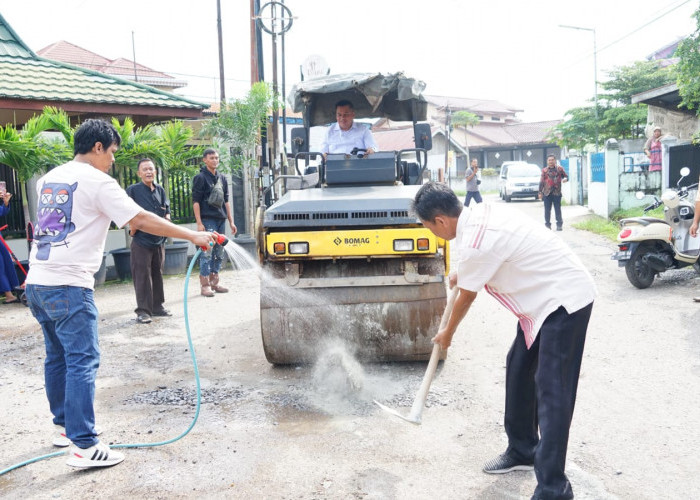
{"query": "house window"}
{"type": "Point", "coordinates": [495, 119]}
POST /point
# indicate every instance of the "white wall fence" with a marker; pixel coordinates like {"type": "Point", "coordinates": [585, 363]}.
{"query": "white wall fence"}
{"type": "Point", "coordinates": [614, 184]}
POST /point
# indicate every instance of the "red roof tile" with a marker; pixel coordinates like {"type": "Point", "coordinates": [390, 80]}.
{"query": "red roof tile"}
{"type": "Point", "coordinates": [77, 56]}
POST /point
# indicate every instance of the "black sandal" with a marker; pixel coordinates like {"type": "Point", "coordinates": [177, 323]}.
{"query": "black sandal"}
{"type": "Point", "coordinates": [11, 302]}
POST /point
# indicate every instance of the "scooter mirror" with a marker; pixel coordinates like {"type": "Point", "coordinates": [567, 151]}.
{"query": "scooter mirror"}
{"type": "Point", "coordinates": [685, 171]}
{"type": "Point", "coordinates": [639, 195]}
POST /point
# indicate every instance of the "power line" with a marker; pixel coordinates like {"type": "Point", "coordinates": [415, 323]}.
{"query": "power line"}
{"type": "Point", "coordinates": [643, 26]}
{"type": "Point", "coordinates": [589, 54]}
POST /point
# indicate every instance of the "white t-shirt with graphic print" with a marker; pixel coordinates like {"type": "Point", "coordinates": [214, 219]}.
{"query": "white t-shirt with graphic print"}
{"type": "Point", "coordinates": [76, 204]}
{"type": "Point", "coordinates": [523, 265]}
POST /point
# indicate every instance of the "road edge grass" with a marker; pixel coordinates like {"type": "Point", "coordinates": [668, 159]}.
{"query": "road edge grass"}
{"type": "Point", "coordinates": [609, 228]}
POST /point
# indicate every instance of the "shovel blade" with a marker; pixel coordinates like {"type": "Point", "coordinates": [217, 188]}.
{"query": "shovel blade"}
{"type": "Point", "coordinates": [416, 420]}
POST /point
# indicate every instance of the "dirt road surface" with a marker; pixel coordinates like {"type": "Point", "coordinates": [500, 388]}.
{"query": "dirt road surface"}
{"type": "Point", "coordinates": [297, 433]}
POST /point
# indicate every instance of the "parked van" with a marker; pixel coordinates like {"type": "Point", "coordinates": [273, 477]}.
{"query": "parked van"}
{"type": "Point", "coordinates": [519, 180]}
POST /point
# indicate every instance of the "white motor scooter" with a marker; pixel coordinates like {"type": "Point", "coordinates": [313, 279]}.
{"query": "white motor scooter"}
{"type": "Point", "coordinates": [648, 246]}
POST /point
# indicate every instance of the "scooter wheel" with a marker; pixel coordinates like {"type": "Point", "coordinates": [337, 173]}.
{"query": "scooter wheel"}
{"type": "Point", "coordinates": [638, 272]}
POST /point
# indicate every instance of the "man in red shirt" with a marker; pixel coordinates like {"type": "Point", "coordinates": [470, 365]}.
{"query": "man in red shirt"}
{"type": "Point", "coordinates": [550, 191]}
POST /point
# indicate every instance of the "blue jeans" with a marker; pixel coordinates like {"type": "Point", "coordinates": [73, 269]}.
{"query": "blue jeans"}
{"type": "Point", "coordinates": [210, 262]}
{"type": "Point", "coordinates": [472, 195]}
{"type": "Point", "coordinates": [68, 317]}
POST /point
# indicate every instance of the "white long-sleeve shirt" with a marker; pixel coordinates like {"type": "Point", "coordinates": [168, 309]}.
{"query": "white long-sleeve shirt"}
{"type": "Point", "coordinates": [523, 265]}
{"type": "Point", "coordinates": [339, 141]}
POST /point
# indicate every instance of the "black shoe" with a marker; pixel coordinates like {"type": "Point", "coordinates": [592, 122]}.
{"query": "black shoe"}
{"type": "Point", "coordinates": [558, 228]}
{"type": "Point", "coordinates": [162, 312]}
{"type": "Point", "coordinates": [143, 318]}
{"type": "Point", "coordinates": [504, 463]}
{"type": "Point", "coordinates": [547, 225]}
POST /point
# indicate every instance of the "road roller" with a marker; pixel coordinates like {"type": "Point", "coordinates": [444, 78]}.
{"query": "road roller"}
{"type": "Point", "coordinates": [344, 261]}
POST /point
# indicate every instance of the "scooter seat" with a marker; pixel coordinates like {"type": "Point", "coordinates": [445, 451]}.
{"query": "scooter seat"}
{"type": "Point", "coordinates": [644, 221]}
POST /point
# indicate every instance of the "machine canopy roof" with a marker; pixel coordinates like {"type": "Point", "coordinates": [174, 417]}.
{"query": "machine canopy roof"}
{"type": "Point", "coordinates": [373, 95]}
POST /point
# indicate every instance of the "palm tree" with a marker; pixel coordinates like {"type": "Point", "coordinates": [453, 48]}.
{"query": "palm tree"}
{"type": "Point", "coordinates": [238, 124]}
{"type": "Point", "coordinates": [29, 152]}
{"type": "Point", "coordinates": [178, 154]}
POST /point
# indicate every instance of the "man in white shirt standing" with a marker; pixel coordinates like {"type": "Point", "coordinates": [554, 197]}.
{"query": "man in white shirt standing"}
{"type": "Point", "coordinates": [77, 202]}
{"type": "Point", "coordinates": [538, 278]}
{"type": "Point", "coordinates": [345, 135]}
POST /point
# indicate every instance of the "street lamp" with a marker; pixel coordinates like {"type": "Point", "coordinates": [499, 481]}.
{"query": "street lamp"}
{"type": "Point", "coordinates": [595, 75]}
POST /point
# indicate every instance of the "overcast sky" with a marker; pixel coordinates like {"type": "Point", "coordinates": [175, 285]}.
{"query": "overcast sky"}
{"type": "Point", "coordinates": [508, 50]}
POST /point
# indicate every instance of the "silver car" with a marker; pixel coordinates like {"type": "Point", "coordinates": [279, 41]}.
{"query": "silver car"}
{"type": "Point", "coordinates": [519, 180]}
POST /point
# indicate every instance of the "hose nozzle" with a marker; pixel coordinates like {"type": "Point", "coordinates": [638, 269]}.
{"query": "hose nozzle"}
{"type": "Point", "coordinates": [220, 240]}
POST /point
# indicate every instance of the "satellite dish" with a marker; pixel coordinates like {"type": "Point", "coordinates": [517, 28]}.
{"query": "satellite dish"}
{"type": "Point", "coordinates": [314, 66]}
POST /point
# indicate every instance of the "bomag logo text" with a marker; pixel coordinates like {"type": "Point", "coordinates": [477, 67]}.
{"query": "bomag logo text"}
{"type": "Point", "coordinates": [356, 241]}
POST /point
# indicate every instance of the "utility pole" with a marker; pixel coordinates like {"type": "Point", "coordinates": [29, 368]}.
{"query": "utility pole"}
{"type": "Point", "coordinates": [221, 51]}
{"type": "Point", "coordinates": [133, 51]}
{"type": "Point", "coordinates": [254, 72]}
{"type": "Point", "coordinates": [595, 75]}
{"type": "Point", "coordinates": [279, 22]}
{"type": "Point", "coordinates": [447, 142]}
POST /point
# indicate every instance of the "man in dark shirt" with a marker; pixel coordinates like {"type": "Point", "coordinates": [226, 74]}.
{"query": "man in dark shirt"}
{"type": "Point", "coordinates": [211, 211]}
{"type": "Point", "coordinates": [550, 190]}
{"type": "Point", "coordinates": [147, 252]}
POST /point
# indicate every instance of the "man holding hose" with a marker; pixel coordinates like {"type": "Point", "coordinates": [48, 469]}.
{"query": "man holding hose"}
{"type": "Point", "coordinates": [531, 272]}
{"type": "Point", "coordinates": [77, 202]}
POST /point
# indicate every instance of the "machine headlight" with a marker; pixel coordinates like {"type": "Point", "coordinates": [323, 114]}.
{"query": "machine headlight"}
{"type": "Point", "coordinates": [279, 248]}
{"type": "Point", "coordinates": [299, 247]}
{"type": "Point", "coordinates": [403, 245]}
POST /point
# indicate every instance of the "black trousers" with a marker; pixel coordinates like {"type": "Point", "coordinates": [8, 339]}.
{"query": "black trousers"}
{"type": "Point", "coordinates": [541, 385]}
{"type": "Point", "coordinates": [147, 273]}
{"type": "Point", "coordinates": [549, 202]}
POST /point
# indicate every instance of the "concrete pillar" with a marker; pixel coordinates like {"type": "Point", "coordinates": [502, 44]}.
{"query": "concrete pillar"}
{"type": "Point", "coordinates": [612, 174]}
{"type": "Point", "coordinates": [666, 143]}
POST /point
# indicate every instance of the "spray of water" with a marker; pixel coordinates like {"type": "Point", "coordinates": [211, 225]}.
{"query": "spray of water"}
{"type": "Point", "coordinates": [240, 258]}
{"type": "Point", "coordinates": [339, 381]}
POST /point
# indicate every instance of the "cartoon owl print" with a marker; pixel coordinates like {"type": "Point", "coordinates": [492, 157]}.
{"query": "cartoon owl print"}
{"type": "Point", "coordinates": [53, 217]}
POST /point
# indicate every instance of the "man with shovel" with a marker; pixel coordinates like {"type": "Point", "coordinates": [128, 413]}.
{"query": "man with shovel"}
{"type": "Point", "coordinates": [531, 272]}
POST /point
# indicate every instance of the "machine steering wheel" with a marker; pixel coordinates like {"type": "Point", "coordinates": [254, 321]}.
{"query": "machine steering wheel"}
{"type": "Point", "coordinates": [357, 151]}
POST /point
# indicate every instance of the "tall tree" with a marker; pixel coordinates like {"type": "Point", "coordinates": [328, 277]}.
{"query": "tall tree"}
{"type": "Point", "coordinates": [688, 68]}
{"type": "Point", "coordinates": [577, 130]}
{"type": "Point", "coordinates": [640, 76]}
{"type": "Point", "coordinates": [617, 116]}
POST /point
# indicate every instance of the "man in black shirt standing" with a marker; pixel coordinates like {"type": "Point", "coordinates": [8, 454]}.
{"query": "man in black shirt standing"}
{"type": "Point", "coordinates": [147, 252]}
{"type": "Point", "coordinates": [211, 210]}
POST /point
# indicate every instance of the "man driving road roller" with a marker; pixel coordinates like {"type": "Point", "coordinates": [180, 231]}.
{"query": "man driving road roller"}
{"type": "Point", "coordinates": [345, 135]}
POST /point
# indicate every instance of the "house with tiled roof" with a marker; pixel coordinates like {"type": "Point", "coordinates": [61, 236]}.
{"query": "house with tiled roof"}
{"type": "Point", "coordinates": [497, 137]}
{"type": "Point", "coordinates": [69, 53]}
{"type": "Point", "coordinates": [29, 82]}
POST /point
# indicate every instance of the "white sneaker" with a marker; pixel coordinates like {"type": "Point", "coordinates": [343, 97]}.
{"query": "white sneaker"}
{"type": "Point", "coordinates": [61, 440]}
{"type": "Point", "coordinates": [99, 455]}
